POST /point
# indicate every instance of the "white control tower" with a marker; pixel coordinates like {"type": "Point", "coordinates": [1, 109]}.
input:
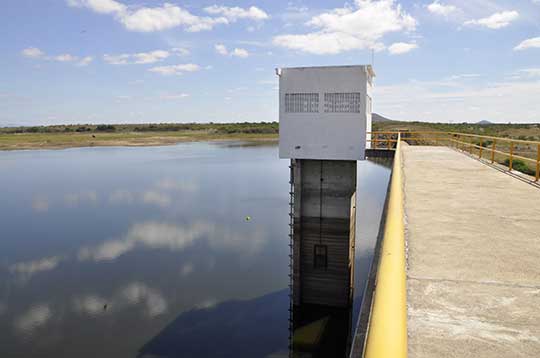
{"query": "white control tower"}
{"type": "Point", "coordinates": [324, 117]}
{"type": "Point", "coordinates": [324, 112]}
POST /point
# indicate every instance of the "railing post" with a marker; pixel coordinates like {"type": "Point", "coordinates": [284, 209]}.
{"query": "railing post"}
{"type": "Point", "coordinates": [538, 163]}
{"type": "Point", "coordinates": [510, 165]}
{"type": "Point", "coordinates": [493, 151]}
{"type": "Point", "coordinates": [481, 147]}
{"type": "Point", "coordinates": [388, 137]}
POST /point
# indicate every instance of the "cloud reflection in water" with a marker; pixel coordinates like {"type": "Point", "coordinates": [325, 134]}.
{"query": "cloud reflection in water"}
{"type": "Point", "coordinates": [35, 317]}
{"type": "Point", "coordinates": [134, 293]}
{"type": "Point", "coordinates": [158, 235]}
{"type": "Point", "coordinates": [29, 268]}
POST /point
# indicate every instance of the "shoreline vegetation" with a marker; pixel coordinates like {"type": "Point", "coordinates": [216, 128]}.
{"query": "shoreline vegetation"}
{"type": "Point", "coordinates": [132, 135]}
{"type": "Point", "coordinates": [94, 135]}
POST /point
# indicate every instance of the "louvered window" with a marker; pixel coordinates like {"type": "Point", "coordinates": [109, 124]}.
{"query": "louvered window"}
{"type": "Point", "coordinates": [301, 102]}
{"type": "Point", "coordinates": [348, 102]}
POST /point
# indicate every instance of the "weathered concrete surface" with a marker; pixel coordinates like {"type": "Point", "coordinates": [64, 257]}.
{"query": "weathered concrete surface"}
{"type": "Point", "coordinates": [473, 276]}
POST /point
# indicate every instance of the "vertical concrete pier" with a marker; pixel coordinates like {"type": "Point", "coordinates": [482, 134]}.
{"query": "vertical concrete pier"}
{"type": "Point", "coordinates": [324, 231]}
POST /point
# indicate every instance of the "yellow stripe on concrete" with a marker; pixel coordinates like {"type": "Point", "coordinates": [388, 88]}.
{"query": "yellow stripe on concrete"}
{"type": "Point", "coordinates": [387, 334]}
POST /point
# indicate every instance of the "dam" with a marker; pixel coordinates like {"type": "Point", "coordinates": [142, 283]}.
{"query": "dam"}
{"type": "Point", "coordinates": [456, 273]}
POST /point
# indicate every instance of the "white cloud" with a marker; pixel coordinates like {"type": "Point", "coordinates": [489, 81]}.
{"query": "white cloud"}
{"type": "Point", "coordinates": [175, 69]}
{"type": "Point", "coordinates": [344, 29]}
{"type": "Point", "coordinates": [174, 96]}
{"type": "Point", "coordinates": [136, 58]}
{"type": "Point", "coordinates": [234, 13]}
{"type": "Point", "coordinates": [167, 17]}
{"type": "Point", "coordinates": [237, 52]}
{"type": "Point", "coordinates": [85, 61]}
{"type": "Point", "coordinates": [529, 43]}
{"type": "Point", "coordinates": [149, 19]}
{"type": "Point", "coordinates": [440, 9]}
{"type": "Point", "coordinates": [180, 51]}
{"type": "Point", "coordinates": [399, 48]}
{"type": "Point", "coordinates": [116, 59]}
{"type": "Point", "coordinates": [496, 21]}
{"type": "Point", "coordinates": [221, 49]}
{"type": "Point", "coordinates": [66, 57]}
{"type": "Point", "coordinates": [36, 53]}
{"type": "Point", "coordinates": [32, 52]}
{"type": "Point", "coordinates": [150, 57]}
{"type": "Point", "coordinates": [464, 76]}
{"type": "Point", "coordinates": [35, 317]}
{"type": "Point", "coordinates": [29, 268]}
{"type": "Point", "coordinates": [101, 6]}
{"type": "Point", "coordinates": [240, 52]}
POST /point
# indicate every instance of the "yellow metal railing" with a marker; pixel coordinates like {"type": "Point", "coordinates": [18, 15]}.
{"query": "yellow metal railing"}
{"type": "Point", "coordinates": [387, 327]}
{"type": "Point", "coordinates": [387, 330]}
{"type": "Point", "coordinates": [511, 150]}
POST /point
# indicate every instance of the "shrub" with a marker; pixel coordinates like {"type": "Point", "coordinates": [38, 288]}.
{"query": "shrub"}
{"type": "Point", "coordinates": [105, 128]}
{"type": "Point", "coordinates": [520, 166]}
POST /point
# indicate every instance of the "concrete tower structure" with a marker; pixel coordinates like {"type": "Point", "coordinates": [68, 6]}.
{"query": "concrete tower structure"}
{"type": "Point", "coordinates": [324, 115]}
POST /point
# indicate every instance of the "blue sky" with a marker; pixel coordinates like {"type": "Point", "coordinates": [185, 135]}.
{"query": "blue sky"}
{"type": "Point", "coordinates": [134, 61]}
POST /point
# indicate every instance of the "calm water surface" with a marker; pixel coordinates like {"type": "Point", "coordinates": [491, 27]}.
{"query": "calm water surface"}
{"type": "Point", "coordinates": [178, 251]}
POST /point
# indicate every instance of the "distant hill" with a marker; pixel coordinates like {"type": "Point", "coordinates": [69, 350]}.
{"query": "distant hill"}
{"type": "Point", "coordinates": [377, 118]}
{"type": "Point", "coordinates": [484, 122]}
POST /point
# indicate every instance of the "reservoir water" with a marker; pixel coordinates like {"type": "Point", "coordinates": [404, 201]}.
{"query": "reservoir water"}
{"type": "Point", "coordinates": [176, 251]}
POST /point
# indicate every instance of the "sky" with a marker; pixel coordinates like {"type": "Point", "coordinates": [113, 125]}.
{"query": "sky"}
{"type": "Point", "coordinates": [140, 61]}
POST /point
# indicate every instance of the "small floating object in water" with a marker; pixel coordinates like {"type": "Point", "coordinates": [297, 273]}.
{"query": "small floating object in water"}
{"type": "Point", "coordinates": [105, 307]}
{"type": "Point", "coordinates": [248, 218]}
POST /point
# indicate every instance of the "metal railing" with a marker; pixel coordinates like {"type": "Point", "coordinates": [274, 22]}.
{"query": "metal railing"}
{"type": "Point", "coordinates": [516, 154]}
{"type": "Point", "coordinates": [387, 328]}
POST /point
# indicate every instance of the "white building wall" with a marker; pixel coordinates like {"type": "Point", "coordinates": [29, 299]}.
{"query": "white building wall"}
{"type": "Point", "coordinates": [313, 131]}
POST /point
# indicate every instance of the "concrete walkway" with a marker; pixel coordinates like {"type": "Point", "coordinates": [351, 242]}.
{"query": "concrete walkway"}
{"type": "Point", "coordinates": [473, 278]}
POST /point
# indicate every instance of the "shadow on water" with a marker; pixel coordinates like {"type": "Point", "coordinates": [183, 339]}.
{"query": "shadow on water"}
{"type": "Point", "coordinates": [236, 328]}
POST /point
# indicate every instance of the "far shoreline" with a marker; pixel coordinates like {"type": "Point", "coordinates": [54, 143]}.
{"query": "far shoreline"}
{"type": "Point", "coordinates": [58, 141]}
